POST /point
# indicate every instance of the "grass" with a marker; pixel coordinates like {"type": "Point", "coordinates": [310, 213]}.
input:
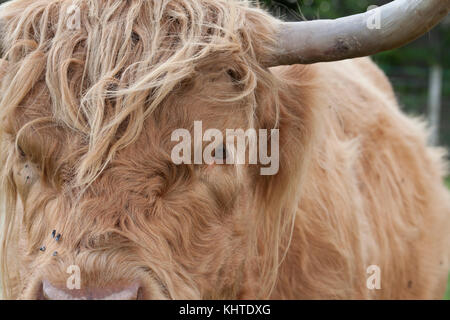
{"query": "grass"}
{"type": "Point", "coordinates": [447, 293]}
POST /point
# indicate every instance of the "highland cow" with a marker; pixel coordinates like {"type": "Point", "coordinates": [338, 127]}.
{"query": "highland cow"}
{"type": "Point", "coordinates": [91, 92]}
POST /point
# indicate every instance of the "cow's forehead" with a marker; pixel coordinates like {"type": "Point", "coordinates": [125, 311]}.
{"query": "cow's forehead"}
{"type": "Point", "coordinates": [60, 146]}
{"type": "Point", "coordinates": [204, 99]}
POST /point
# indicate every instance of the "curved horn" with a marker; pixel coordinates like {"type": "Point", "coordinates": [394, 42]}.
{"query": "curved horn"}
{"type": "Point", "coordinates": [401, 22]}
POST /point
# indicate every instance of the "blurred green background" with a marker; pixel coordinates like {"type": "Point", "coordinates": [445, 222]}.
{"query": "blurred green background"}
{"type": "Point", "coordinates": [409, 68]}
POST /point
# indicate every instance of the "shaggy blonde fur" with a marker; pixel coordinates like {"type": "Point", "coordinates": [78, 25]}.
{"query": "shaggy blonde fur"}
{"type": "Point", "coordinates": [87, 116]}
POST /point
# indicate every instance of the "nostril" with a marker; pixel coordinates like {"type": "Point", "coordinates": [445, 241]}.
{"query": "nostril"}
{"type": "Point", "coordinates": [52, 292]}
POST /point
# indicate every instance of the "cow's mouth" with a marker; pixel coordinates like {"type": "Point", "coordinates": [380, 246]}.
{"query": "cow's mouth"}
{"type": "Point", "coordinates": [48, 291]}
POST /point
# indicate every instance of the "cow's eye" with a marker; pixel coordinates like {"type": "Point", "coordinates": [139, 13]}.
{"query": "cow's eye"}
{"type": "Point", "coordinates": [233, 75]}
{"type": "Point", "coordinates": [220, 153]}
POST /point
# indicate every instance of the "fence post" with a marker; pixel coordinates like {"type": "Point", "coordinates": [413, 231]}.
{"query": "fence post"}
{"type": "Point", "coordinates": [434, 102]}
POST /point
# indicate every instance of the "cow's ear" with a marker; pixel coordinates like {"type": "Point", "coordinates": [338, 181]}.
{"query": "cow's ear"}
{"type": "Point", "coordinates": [259, 36]}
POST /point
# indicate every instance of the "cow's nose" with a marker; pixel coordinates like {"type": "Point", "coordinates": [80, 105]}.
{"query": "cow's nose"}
{"type": "Point", "coordinates": [52, 292]}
